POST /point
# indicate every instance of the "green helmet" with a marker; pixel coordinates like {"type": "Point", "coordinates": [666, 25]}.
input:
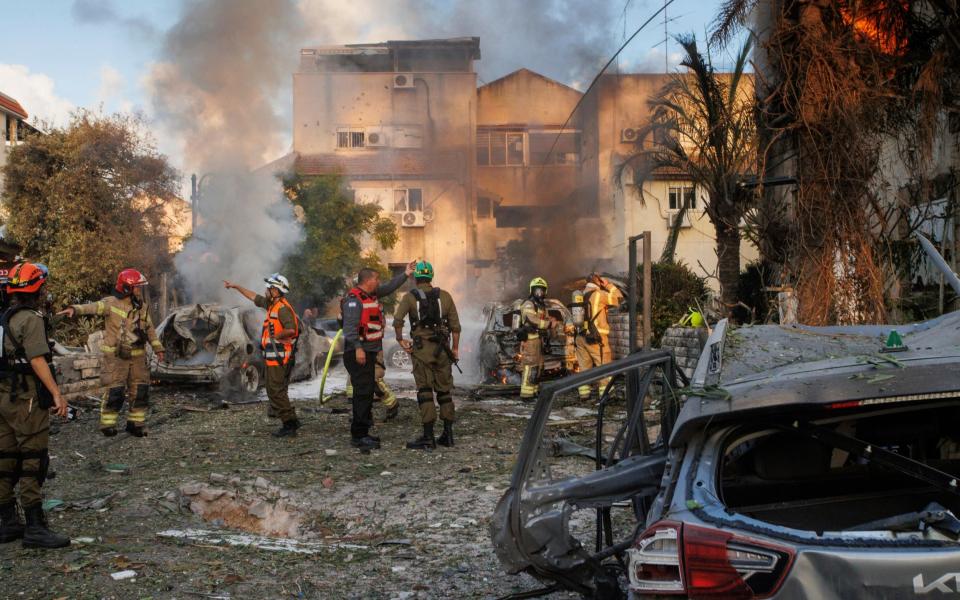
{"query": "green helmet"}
{"type": "Point", "coordinates": [538, 282]}
{"type": "Point", "coordinates": [423, 270]}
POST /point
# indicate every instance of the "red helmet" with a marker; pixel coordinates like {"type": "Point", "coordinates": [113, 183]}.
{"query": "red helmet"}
{"type": "Point", "coordinates": [129, 279]}
{"type": "Point", "coordinates": [26, 278]}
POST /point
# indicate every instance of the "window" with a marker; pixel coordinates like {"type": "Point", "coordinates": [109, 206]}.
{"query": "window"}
{"type": "Point", "coordinates": [350, 137]}
{"type": "Point", "coordinates": [683, 195]}
{"type": "Point", "coordinates": [500, 148]}
{"type": "Point", "coordinates": [408, 200]}
{"type": "Point", "coordinates": [484, 207]}
{"type": "Point", "coordinates": [554, 147]}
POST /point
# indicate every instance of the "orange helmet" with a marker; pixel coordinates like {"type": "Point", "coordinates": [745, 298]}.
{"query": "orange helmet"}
{"type": "Point", "coordinates": [26, 278]}
{"type": "Point", "coordinates": [129, 279]}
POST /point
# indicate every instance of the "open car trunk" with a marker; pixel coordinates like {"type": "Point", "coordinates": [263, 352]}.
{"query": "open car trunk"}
{"type": "Point", "coordinates": [890, 471]}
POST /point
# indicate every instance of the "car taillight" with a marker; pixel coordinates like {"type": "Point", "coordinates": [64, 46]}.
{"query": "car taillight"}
{"type": "Point", "coordinates": [672, 558]}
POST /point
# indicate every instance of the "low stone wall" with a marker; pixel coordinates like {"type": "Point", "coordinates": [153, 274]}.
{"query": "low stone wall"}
{"type": "Point", "coordinates": [620, 333]}
{"type": "Point", "coordinates": [78, 374]}
{"type": "Point", "coordinates": [686, 343]}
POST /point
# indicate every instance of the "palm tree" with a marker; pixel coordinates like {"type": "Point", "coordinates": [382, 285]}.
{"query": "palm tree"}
{"type": "Point", "coordinates": [702, 123]}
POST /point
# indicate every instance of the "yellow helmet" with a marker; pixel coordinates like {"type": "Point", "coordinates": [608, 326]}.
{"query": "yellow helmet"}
{"type": "Point", "coordinates": [538, 282]}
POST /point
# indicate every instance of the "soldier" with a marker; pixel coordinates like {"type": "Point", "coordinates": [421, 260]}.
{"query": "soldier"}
{"type": "Point", "coordinates": [535, 323]}
{"type": "Point", "coordinates": [433, 322]}
{"type": "Point", "coordinates": [127, 328]}
{"type": "Point", "coordinates": [28, 394]}
{"type": "Point", "coordinates": [278, 340]}
{"type": "Point", "coordinates": [592, 330]}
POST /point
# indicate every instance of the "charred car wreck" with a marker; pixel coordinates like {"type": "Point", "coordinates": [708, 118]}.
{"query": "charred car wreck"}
{"type": "Point", "coordinates": [216, 344]}
{"type": "Point", "coordinates": [500, 347]}
{"type": "Point", "coordinates": [801, 463]}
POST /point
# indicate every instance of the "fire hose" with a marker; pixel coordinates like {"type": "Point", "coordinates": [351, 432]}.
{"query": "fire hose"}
{"type": "Point", "coordinates": [326, 366]}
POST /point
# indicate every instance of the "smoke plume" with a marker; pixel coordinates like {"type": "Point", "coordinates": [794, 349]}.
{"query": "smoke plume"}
{"type": "Point", "coordinates": [216, 90]}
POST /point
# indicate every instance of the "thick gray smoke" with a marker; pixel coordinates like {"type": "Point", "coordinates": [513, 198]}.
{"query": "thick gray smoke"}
{"type": "Point", "coordinates": [223, 64]}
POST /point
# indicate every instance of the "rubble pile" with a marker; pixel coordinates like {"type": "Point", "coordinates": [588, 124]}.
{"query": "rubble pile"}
{"type": "Point", "coordinates": [256, 506]}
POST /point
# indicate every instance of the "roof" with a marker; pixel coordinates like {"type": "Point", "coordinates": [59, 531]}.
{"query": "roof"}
{"type": "Point", "coordinates": [769, 368]}
{"type": "Point", "coordinates": [384, 164]}
{"type": "Point", "coordinates": [524, 72]}
{"type": "Point", "coordinates": [8, 104]}
{"type": "Point", "coordinates": [469, 43]}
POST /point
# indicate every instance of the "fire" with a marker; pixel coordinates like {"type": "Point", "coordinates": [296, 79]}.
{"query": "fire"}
{"type": "Point", "coordinates": [869, 26]}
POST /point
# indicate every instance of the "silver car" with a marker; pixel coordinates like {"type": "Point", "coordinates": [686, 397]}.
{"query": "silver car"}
{"type": "Point", "coordinates": [800, 463]}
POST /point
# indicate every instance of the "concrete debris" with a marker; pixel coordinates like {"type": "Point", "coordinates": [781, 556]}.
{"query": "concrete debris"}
{"type": "Point", "coordinates": [121, 575]}
{"type": "Point", "coordinates": [261, 508]}
{"type": "Point", "coordinates": [253, 541]}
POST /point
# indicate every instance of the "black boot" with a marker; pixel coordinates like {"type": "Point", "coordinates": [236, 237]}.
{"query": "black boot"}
{"type": "Point", "coordinates": [392, 412]}
{"type": "Point", "coordinates": [289, 429]}
{"type": "Point", "coordinates": [11, 528]}
{"type": "Point", "coordinates": [108, 431]}
{"type": "Point", "coordinates": [425, 441]}
{"type": "Point", "coordinates": [446, 438]}
{"type": "Point", "coordinates": [136, 430]}
{"type": "Point", "coordinates": [37, 534]}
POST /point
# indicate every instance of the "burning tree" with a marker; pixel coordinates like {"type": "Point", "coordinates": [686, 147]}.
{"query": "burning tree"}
{"type": "Point", "coordinates": [842, 86]}
{"type": "Point", "coordinates": [702, 123]}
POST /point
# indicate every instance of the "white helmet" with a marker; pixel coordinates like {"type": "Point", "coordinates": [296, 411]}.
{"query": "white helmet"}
{"type": "Point", "coordinates": [279, 282]}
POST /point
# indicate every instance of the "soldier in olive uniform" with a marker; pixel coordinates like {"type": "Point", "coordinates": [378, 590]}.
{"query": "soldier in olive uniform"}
{"type": "Point", "coordinates": [28, 394]}
{"type": "Point", "coordinates": [281, 328]}
{"type": "Point", "coordinates": [127, 327]}
{"type": "Point", "coordinates": [433, 322]}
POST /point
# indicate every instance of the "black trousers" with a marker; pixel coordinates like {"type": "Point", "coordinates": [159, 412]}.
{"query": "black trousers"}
{"type": "Point", "coordinates": [364, 381]}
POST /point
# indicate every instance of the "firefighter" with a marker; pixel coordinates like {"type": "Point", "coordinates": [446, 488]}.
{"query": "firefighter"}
{"type": "Point", "coordinates": [535, 324]}
{"type": "Point", "coordinates": [127, 328]}
{"type": "Point", "coordinates": [278, 341]}
{"type": "Point", "coordinates": [435, 333]}
{"type": "Point", "coordinates": [381, 391]}
{"type": "Point", "coordinates": [592, 331]}
{"type": "Point", "coordinates": [28, 394]}
{"type": "Point", "coordinates": [363, 326]}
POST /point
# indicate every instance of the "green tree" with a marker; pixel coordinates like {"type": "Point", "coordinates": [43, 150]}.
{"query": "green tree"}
{"type": "Point", "coordinates": [702, 123]}
{"type": "Point", "coordinates": [87, 200]}
{"type": "Point", "coordinates": [336, 229]}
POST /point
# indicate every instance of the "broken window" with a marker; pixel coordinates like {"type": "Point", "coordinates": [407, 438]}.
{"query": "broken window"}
{"type": "Point", "coordinates": [350, 137]}
{"type": "Point", "coordinates": [554, 147]}
{"type": "Point", "coordinates": [484, 207]}
{"type": "Point", "coordinates": [804, 479]}
{"type": "Point", "coordinates": [683, 195]}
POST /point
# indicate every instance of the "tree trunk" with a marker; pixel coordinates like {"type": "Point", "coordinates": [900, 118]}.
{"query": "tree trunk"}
{"type": "Point", "coordinates": [728, 261]}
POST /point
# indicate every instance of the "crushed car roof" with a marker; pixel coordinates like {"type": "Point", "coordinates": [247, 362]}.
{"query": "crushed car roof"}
{"type": "Point", "coordinates": [765, 369]}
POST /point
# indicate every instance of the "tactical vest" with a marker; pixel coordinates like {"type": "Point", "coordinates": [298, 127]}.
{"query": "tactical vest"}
{"type": "Point", "coordinates": [16, 367]}
{"type": "Point", "coordinates": [371, 316]}
{"type": "Point", "coordinates": [429, 313]}
{"type": "Point", "coordinates": [277, 353]}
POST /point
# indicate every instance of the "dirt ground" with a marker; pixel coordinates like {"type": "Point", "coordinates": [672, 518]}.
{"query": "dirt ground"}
{"type": "Point", "coordinates": [394, 523]}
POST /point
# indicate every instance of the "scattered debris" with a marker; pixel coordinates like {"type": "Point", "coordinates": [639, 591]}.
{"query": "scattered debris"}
{"type": "Point", "coordinates": [260, 542]}
{"type": "Point", "coordinates": [121, 575]}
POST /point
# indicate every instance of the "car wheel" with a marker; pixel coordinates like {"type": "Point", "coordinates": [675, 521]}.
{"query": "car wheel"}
{"type": "Point", "coordinates": [250, 379]}
{"type": "Point", "coordinates": [400, 359]}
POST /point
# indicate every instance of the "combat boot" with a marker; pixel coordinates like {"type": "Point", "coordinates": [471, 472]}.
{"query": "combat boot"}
{"type": "Point", "coordinates": [288, 429]}
{"type": "Point", "coordinates": [11, 528]}
{"type": "Point", "coordinates": [37, 534]}
{"type": "Point", "coordinates": [425, 441]}
{"type": "Point", "coordinates": [108, 431]}
{"type": "Point", "coordinates": [446, 438]}
{"type": "Point", "coordinates": [136, 430]}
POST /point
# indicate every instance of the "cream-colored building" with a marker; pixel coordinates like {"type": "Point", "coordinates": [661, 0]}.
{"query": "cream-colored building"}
{"type": "Point", "coordinates": [467, 172]}
{"type": "Point", "coordinates": [15, 127]}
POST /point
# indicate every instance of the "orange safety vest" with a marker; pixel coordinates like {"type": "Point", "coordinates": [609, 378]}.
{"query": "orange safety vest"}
{"type": "Point", "coordinates": [277, 353]}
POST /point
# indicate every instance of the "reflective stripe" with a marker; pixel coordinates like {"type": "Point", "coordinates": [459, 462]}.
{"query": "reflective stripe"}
{"type": "Point", "coordinates": [106, 349]}
{"type": "Point", "coordinates": [371, 305]}
{"type": "Point", "coordinates": [137, 352]}
{"type": "Point", "coordinates": [157, 344]}
{"type": "Point", "coordinates": [373, 336]}
{"type": "Point", "coordinates": [137, 416]}
{"type": "Point", "coordinates": [585, 391]}
{"type": "Point", "coordinates": [119, 311]}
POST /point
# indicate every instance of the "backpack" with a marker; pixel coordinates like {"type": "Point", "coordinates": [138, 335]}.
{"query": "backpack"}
{"type": "Point", "coordinates": [429, 314]}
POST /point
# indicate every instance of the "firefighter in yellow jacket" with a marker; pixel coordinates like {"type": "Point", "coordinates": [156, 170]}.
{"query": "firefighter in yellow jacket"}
{"type": "Point", "coordinates": [535, 323]}
{"type": "Point", "coordinates": [127, 329]}
{"type": "Point", "coordinates": [592, 329]}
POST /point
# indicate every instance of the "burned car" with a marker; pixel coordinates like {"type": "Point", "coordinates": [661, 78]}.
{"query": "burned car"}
{"type": "Point", "coordinates": [499, 354]}
{"type": "Point", "coordinates": [216, 344]}
{"type": "Point", "coordinates": [801, 463]}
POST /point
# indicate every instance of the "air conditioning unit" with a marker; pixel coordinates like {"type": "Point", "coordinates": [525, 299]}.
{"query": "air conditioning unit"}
{"type": "Point", "coordinates": [403, 81]}
{"type": "Point", "coordinates": [629, 135]}
{"type": "Point", "coordinates": [376, 137]}
{"type": "Point", "coordinates": [412, 218]}
{"type": "Point", "coordinates": [684, 224]}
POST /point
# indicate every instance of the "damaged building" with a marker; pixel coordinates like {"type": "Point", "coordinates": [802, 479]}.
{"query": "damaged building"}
{"type": "Point", "coordinates": [466, 170]}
